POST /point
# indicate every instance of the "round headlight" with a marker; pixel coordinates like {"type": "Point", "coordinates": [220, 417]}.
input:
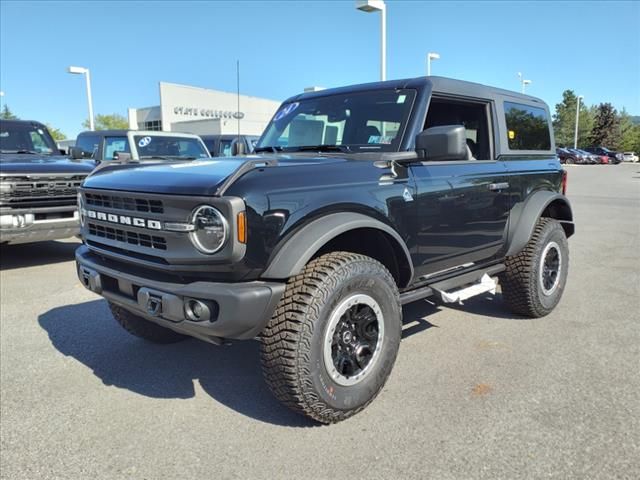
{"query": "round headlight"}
{"type": "Point", "coordinates": [210, 229]}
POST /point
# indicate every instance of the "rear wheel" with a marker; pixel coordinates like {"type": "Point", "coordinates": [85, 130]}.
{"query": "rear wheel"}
{"type": "Point", "coordinates": [142, 328]}
{"type": "Point", "coordinates": [534, 279]}
{"type": "Point", "coordinates": [332, 342]}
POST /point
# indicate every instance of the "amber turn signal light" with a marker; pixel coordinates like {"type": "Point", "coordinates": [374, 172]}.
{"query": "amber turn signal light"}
{"type": "Point", "coordinates": [242, 227]}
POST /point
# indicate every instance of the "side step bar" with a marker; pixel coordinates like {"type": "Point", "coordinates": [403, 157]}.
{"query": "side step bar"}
{"type": "Point", "coordinates": [452, 283]}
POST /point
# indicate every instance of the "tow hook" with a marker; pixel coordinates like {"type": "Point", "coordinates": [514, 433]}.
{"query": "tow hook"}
{"type": "Point", "coordinates": [154, 306]}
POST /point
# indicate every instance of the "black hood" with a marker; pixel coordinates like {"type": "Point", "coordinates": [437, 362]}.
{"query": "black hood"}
{"type": "Point", "coordinates": [32, 164]}
{"type": "Point", "coordinates": [198, 177]}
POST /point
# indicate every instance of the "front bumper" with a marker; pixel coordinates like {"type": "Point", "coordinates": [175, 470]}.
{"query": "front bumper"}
{"type": "Point", "coordinates": [39, 230]}
{"type": "Point", "coordinates": [238, 310]}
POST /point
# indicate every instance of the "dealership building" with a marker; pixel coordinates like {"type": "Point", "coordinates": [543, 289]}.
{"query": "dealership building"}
{"type": "Point", "coordinates": [201, 111]}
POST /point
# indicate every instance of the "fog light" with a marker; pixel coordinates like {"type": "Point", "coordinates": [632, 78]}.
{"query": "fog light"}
{"type": "Point", "coordinates": [196, 311]}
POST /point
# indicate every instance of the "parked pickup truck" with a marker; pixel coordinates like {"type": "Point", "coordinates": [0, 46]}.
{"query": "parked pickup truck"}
{"type": "Point", "coordinates": [358, 200]}
{"type": "Point", "coordinates": [138, 145]}
{"type": "Point", "coordinates": [38, 185]}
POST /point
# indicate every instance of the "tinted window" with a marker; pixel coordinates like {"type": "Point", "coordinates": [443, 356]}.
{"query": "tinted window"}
{"type": "Point", "coordinates": [115, 144]}
{"type": "Point", "coordinates": [527, 127]}
{"type": "Point", "coordinates": [88, 143]}
{"type": "Point", "coordinates": [18, 137]}
{"type": "Point", "coordinates": [150, 146]}
{"type": "Point", "coordinates": [472, 116]}
{"type": "Point", "coordinates": [225, 148]}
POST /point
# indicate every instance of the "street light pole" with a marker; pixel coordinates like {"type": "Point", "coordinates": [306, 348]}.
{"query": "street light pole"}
{"type": "Point", "coordinates": [378, 6]}
{"type": "Point", "coordinates": [575, 135]}
{"type": "Point", "coordinates": [523, 82]}
{"type": "Point", "coordinates": [87, 77]}
{"type": "Point", "coordinates": [431, 56]}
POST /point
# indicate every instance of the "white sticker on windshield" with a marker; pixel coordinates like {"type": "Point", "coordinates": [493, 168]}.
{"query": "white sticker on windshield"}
{"type": "Point", "coordinates": [401, 98]}
{"type": "Point", "coordinates": [144, 141]}
{"type": "Point", "coordinates": [40, 131]}
{"type": "Point", "coordinates": [286, 110]}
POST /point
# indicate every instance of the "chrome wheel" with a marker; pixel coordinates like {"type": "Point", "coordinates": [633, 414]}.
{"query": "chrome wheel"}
{"type": "Point", "coordinates": [353, 339]}
{"type": "Point", "coordinates": [550, 268]}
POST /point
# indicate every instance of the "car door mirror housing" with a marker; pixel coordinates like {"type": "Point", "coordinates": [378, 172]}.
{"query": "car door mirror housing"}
{"type": "Point", "coordinates": [77, 153]}
{"type": "Point", "coordinates": [123, 157]}
{"type": "Point", "coordinates": [446, 142]}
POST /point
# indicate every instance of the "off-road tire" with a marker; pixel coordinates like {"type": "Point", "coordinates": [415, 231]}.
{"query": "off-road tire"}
{"type": "Point", "coordinates": [142, 328]}
{"type": "Point", "coordinates": [292, 343]}
{"type": "Point", "coordinates": [522, 288]}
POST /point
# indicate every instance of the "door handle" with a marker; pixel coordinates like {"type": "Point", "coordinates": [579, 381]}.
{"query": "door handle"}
{"type": "Point", "coordinates": [498, 186]}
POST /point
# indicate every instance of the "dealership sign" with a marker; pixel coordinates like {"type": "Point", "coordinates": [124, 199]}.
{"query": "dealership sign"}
{"type": "Point", "coordinates": [207, 113]}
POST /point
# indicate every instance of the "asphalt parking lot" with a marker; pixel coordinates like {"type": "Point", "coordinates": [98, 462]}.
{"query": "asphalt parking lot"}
{"type": "Point", "coordinates": [475, 393]}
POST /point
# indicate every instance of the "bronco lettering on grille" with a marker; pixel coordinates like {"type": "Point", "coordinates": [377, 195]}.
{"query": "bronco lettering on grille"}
{"type": "Point", "coordinates": [124, 219]}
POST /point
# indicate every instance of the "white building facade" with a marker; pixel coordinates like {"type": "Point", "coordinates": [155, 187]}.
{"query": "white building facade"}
{"type": "Point", "coordinates": [201, 111]}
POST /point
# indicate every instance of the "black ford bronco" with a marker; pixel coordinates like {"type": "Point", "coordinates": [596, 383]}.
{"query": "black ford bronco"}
{"type": "Point", "coordinates": [357, 201]}
{"type": "Point", "coordinates": [38, 185]}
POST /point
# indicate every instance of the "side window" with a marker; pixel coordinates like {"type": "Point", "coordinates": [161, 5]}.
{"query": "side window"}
{"type": "Point", "coordinates": [225, 148]}
{"type": "Point", "coordinates": [38, 142]}
{"type": "Point", "coordinates": [88, 143]}
{"type": "Point", "coordinates": [113, 145]}
{"type": "Point", "coordinates": [527, 127]}
{"type": "Point", "coordinates": [471, 115]}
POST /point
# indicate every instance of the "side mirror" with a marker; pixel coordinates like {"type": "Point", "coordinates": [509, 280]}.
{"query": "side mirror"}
{"type": "Point", "coordinates": [447, 142]}
{"type": "Point", "coordinates": [122, 157]}
{"type": "Point", "coordinates": [77, 153]}
{"type": "Point", "coordinates": [238, 148]}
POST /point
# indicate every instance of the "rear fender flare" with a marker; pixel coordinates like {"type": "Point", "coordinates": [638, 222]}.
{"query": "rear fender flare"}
{"type": "Point", "coordinates": [524, 216]}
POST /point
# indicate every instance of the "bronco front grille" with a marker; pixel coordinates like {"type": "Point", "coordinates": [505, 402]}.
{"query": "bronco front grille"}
{"type": "Point", "coordinates": [126, 236]}
{"type": "Point", "coordinates": [39, 191]}
{"type": "Point", "coordinates": [124, 203]}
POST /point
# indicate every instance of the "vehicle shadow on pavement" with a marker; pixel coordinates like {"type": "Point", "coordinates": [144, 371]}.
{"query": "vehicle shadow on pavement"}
{"type": "Point", "coordinates": [230, 374]}
{"type": "Point", "coordinates": [34, 254]}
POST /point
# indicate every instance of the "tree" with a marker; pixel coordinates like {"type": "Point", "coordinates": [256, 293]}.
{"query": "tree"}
{"type": "Point", "coordinates": [56, 133]}
{"type": "Point", "coordinates": [109, 122]}
{"type": "Point", "coordinates": [564, 121]}
{"type": "Point", "coordinates": [7, 114]}
{"type": "Point", "coordinates": [606, 127]}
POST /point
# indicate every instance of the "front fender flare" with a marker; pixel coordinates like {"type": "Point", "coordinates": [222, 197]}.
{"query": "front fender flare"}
{"type": "Point", "coordinates": [524, 216]}
{"type": "Point", "coordinates": [296, 251]}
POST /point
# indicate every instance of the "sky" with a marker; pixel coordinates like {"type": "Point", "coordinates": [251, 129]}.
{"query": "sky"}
{"type": "Point", "coordinates": [283, 47]}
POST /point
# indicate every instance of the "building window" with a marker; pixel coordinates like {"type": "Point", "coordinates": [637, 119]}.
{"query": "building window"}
{"type": "Point", "coordinates": [155, 125]}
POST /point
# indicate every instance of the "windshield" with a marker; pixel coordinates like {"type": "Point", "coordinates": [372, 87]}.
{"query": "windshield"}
{"type": "Point", "coordinates": [150, 146]}
{"type": "Point", "coordinates": [361, 121]}
{"type": "Point", "coordinates": [25, 138]}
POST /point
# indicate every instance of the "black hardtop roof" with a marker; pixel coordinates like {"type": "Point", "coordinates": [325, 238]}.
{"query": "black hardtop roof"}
{"type": "Point", "coordinates": [22, 122]}
{"type": "Point", "coordinates": [105, 133]}
{"type": "Point", "coordinates": [437, 84]}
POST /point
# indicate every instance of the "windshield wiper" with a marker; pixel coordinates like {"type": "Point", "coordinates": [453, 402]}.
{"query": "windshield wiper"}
{"type": "Point", "coordinates": [270, 148]}
{"type": "Point", "coordinates": [323, 148]}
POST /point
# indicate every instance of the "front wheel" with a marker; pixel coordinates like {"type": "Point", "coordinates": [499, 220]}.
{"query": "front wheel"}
{"type": "Point", "coordinates": [333, 339]}
{"type": "Point", "coordinates": [534, 279]}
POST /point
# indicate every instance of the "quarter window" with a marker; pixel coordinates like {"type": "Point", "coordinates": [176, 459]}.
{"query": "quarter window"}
{"type": "Point", "coordinates": [527, 127]}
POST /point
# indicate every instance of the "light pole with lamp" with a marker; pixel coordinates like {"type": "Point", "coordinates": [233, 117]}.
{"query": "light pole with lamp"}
{"type": "Point", "coordinates": [575, 136]}
{"type": "Point", "coordinates": [87, 76]}
{"type": "Point", "coordinates": [523, 82]}
{"type": "Point", "coordinates": [378, 6]}
{"type": "Point", "coordinates": [431, 56]}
